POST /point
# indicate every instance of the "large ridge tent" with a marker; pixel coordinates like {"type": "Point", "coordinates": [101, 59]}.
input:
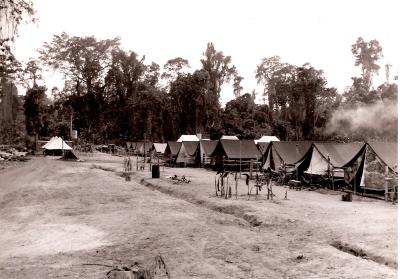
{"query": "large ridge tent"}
{"type": "Point", "coordinates": [57, 146]}
{"type": "Point", "coordinates": [171, 151]}
{"type": "Point", "coordinates": [207, 147]}
{"type": "Point", "coordinates": [235, 150]}
{"type": "Point", "coordinates": [188, 138]}
{"type": "Point", "coordinates": [189, 153]}
{"type": "Point", "coordinates": [331, 158]}
{"type": "Point", "coordinates": [283, 154]}
{"type": "Point", "coordinates": [380, 162]}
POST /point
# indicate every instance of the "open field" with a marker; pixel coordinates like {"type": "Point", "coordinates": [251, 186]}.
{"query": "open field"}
{"type": "Point", "coordinates": [57, 216]}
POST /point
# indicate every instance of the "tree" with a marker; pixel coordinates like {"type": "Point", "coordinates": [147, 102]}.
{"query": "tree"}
{"type": "Point", "coordinates": [246, 119]}
{"type": "Point", "coordinates": [84, 60]}
{"type": "Point", "coordinates": [297, 98]}
{"type": "Point", "coordinates": [152, 74]}
{"type": "Point", "coordinates": [367, 55]}
{"type": "Point", "coordinates": [32, 73]}
{"type": "Point", "coordinates": [174, 67]}
{"type": "Point", "coordinates": [219, 71]}
{"type": "Point", "coordinates": [11, 114]}
{"type": "Point", "coordinates": [188, 100]}
{"type": "Point", "coordinates": [388, 92]}
{"type": "Point", "coordinates": [269, 73]}
{"type": "Point", "coordinates": [359, 93]}
{"type": "Point", "coordinates": [11, 14]}
{"type": "Point", "coordinates": [237, 88]}
{"type": "Point", "coordinates": [34, 109]}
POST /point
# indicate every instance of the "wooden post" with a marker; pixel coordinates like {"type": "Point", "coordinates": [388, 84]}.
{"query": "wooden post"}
{"type": "Point", "coordinates": [386, 183]}
{"type": "Point", "coordinates": [151, 155]}
{"type": "Point", "coordinates": [144, 151]}
{"type": "Point", "coordinates": [251, 169]}
{"type": "Point", "coordinates": [240, 160]}
{"type": "Point", "coordinates": [236, 184]}
{"type": "Point", "coordinates": [137, 162]}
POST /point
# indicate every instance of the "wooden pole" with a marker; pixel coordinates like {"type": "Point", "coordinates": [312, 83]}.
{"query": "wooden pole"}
{"type": "Point", "coordinates": [386, 183]}
{"type": "Point", "coordinates": [240, 159]}
{"type": "Point", "coordinates": [251, 169]}
{"type": "Point", "coordinates": [236, 184]}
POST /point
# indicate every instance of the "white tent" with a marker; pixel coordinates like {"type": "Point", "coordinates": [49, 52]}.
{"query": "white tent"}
{"type": "Point", "coordinates": [266, 139]}
{"type": "Point", "coordinates": [230, 137]}
{"type": "Point", "coordinates": [56, 143]}
{"type": "Point", "coordinates": [47, 143]}
{"type": "Point", "coordinates": [188, 138]}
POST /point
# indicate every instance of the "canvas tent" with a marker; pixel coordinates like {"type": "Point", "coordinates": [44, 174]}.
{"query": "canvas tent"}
{"type": "Point", "coordinates": [172, 150]}
{"type": "Point", "coordinates": [206, 149]}
{"type": "Point", "coordinates": [50, 141]}
{"type": "Point", "coordinates": [235, 152]}
{"type": "Point", "coordinates": [266, 139]}
{"type": "Point", "coordinates": [380, 162]}
{"type": "Point", "coordinates": [188, 138]}
{"type": "Point", "coordinates": [189, 153]}
{"type": "Point", "coordinates": [58, 147]}
{"type": "Point", "coordinates": [283, 154]}
{"type": "Point", "coordinates": [159, 148]}
{"type": "Point", "coordinates": [143, 147]}
{"type": "Point", "coordinates": [128, 145]}
{"type": "Point", "coordinates": [333, 158]}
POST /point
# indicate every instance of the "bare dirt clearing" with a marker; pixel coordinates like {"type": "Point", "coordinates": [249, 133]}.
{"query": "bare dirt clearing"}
{"type": "Point", "coordinates": [56, 216]}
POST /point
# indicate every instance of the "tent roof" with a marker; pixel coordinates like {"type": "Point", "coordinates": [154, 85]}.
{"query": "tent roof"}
{"type": "Point", "coordinates": [190, 147]}
{"type": "Point", "coordinates": [291, 151]}
{"type": "Point", "coordinates": [234, 149]}
{"type": "Point", "coordinates": [173, 147]}
{"type": "Point", "coordinates": [57, 144]}
{"type": "Point", "coordinates": [160, 147]}
{"type": "Point", "coordinates": [47, 143]}
{"type": "Point", "coordinates": [188, 138]}
{"type": "Point", "coordinates": [387, 152]}
{"type": "Point", "coordinates": [339, 153]}
{"type": "Point", "coordinates": [266, 139]}
{"type": "Point", "coordinates": [208, 146]}
{"type": "Point", "coordinates": [229, 137]}
{"type": "Point", "coordinates": [140, 145]}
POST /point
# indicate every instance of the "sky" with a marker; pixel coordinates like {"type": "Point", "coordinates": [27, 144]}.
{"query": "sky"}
{"type": "Point", "coordinates": [314, 31]}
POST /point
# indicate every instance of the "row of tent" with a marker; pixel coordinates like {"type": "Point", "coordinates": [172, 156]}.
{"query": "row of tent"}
{"type": "Point", "coordinates": [144, 147]}
{"type": "Point", "coordinates": [361, 164]}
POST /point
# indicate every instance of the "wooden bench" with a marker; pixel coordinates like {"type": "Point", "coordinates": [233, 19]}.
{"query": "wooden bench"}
{"type": "Point", "coordinates": [295, 184]}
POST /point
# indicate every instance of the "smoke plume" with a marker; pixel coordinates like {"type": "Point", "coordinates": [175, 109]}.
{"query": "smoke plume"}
{"type": "Point", "coordinates": [376, 121]}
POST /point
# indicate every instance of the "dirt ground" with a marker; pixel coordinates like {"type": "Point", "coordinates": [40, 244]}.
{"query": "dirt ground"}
{"type": "Point", "coordinates": [56, 217]}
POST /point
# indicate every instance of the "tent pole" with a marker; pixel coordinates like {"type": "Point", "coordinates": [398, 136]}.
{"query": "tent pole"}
{"type": "Point", "coordinates": [386, 182]}
{"type": "Point", "coordinates": [240, 159]}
